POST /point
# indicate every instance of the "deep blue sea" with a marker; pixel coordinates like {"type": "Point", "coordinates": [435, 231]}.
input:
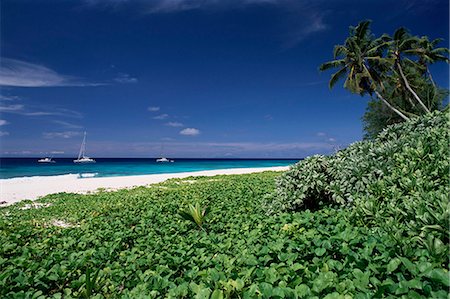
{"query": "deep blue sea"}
{"type": "Point", "coordinates": [105, 167]}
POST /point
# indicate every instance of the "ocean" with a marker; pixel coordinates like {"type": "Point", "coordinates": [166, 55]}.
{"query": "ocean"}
{"type": "Point", "coordinates": [108, 167]}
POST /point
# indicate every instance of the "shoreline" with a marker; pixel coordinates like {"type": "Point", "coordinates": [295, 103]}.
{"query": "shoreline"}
{"type": "Point", "coordinates": [13, 190]}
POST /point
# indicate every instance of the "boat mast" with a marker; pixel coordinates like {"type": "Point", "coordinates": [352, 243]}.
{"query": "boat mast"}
{"type": "Point", "coordinates": [83, 147]}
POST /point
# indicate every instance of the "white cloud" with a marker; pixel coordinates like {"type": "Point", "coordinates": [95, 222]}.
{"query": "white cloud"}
{"type": "Point", "coordinates": [8, 98]}
{"type": "Point", "coordinates": [3, 133]}
{"type": "Point", "coordinates": [57, 152]}
{"type": "Point", "coordinates": [11, 108]}
{"type": "Point", "coordinates": [190, 132]}
{"type": "Point", "coordinates": [39, 113]}
{"type": "Point", "coordinates": [331, 139]}
{"type": "Point", "coordinates": [3, 122]}
{"type": "Point", "coordinates": [268, 117]}
{"type": "Point", "coordinates": [153, 109]}
{"type": "Point", "coordinates": [67, 124]}
{"type": "Point", "coordinates": [65, 135]}
{"type": "Point", "coordinates": [162, 116]}
{"type": "Point", "coordinates": [321, 134]}
{"type": "Point", "coordinates": [174, 124]}
{"type": "Point", "coordinates": [21, 110]}
{"type": "Point", "coordinates": [170, 6]}
{"type": "Point", "coordinates": [125, 78]}
{"type": "Point", "coordinates": [19, 73]}
{"type": "Point", "coordinates": [305, 22]}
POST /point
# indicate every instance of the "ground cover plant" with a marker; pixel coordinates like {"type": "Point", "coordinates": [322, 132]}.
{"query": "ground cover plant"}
{"type": "Point", "coordinates": [383, 234]}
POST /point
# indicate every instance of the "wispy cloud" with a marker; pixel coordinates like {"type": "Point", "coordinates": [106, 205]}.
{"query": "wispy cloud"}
{"type": "Point", "coordinates": [67, 124]}
{"type": "Point", "coordinates": [3, 122]}
{"type": "Point", "coordinates": [153, 109]}
{"type": "Point", "coordinates": [18, 73]}
{"type": "Point", "coordinates": [190, 132]}
{"type": "Point", "coordinates": [29, 111]}
{"type": "Point", "coordinates": [3, 133]}
{"type": "Point", "coordinates": [8, 98]}
{"type": "Point", "coordinates": [305, 21]}
{"type": "Point", "coordinates": [125, 78]}
{"type": "Point", "coordinates": [65, 135]}
{"type": "Point", "coordinates": [171, 6]}
{"type": "Point", "coordinates": [54, 112]}
{"type": "Point", "coordinates": [174, 124]}
{"type": "Point", "coordinates": [11, 108]}
{"type": "Point", "coordinates": [161, 116]}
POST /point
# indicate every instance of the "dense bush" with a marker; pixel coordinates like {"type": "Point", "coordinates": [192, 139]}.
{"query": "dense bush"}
{"type": "Point", "coordinates": [404, 160]}
{"type": "Point", "coordinates": [308, 185]}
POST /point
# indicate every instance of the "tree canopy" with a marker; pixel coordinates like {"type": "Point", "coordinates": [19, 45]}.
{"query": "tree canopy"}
{"type": "Point", "coordinates": [393, 70]}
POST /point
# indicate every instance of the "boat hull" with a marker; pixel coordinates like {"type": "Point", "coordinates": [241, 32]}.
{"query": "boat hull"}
{"type": "Point", "coordinates": [83, 161]}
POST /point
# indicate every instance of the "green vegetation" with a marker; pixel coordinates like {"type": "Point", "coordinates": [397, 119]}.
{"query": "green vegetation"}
{"type": "Point", "coordinates": [394, 71]}
{"type": "Point", "coordinates": [195, 214]}
{"type": "Point", "coordinates": [370, 222]}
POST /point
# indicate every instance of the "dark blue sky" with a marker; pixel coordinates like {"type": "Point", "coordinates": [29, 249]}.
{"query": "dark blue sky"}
{"type": "Point", "coordinates": [235, 78]}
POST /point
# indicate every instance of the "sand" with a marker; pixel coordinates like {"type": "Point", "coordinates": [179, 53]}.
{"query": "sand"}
{"type": "Point", "coordinates": [17, 189]}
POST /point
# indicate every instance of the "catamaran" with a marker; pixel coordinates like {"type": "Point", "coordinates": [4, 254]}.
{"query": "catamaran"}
{"type": "Point", "coordinates": [46, 160]}
{"type": "Point", "coordinates": [82, 158]}
{"type": "Point", "coordinates": [162, 159]}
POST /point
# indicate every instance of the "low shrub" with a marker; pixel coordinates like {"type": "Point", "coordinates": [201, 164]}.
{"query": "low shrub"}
{"type": "Point", "coordinates": [404, 160]}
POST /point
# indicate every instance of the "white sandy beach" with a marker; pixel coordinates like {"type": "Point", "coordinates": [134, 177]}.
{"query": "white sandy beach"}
{"type": "Point", "coordinates": [17, 189]}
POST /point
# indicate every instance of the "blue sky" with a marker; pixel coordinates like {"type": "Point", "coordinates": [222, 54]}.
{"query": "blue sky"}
{"type": "Point", "coordinates": [235, 78]}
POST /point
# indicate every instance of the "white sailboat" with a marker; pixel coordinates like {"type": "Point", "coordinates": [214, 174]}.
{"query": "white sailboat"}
{"type": "Point", "coordinates": [82, 158]}
{"type": "Point", "coordinates": [46, 160]}
{"type": "Point", "coordinates": [163, 159]}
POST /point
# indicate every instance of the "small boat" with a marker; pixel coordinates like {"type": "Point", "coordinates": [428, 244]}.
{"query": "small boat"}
{"type": "Point", "coordinates": [162, 160]}
{"type": "Point", "coordinates": [82, 158]}
{"type": "Point", "coordinates": [46, 160]}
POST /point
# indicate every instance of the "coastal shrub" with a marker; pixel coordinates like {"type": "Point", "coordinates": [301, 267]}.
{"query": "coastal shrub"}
{"type": "Point", "coordinates": [405, 160]}
{"type": "Point", "coordinates": [305, 185]}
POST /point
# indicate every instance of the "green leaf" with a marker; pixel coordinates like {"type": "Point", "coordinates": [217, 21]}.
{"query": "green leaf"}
{"type": "Point", "coordinates": [393, 265]}
{"type": "Point", "coordinates": [217, 294]}
{"type": "Point", "coordinates": [320, 251]}
{"type": "Point", "coordinates": [440, 275]}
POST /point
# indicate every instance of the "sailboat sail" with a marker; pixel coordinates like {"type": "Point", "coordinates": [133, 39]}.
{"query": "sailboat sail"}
{"type": "Point", "coordinates": [82, 158]}
{"type": "Point", "coordinates": [82, 148]}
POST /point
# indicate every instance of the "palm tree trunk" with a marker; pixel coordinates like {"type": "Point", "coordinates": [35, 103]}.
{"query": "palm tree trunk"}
{"type": "Point", "coordinates": [399, 67]}
{"type": "Point", "coordinates": [391, 107]}
{"type": "Point", "coordinates": [431, 77]}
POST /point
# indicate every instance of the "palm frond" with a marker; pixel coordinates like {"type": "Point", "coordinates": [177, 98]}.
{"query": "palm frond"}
{"type": "Point", "coordinates": [332, 64]}
{"type": "Point", "coordinates": [339, 50]}
{"type": "Point", "coordinates": [195, 214]}
{"type": "Point", "coordinates": [337, 76]}
{"type": "Point", "coordinates": [362, 30]}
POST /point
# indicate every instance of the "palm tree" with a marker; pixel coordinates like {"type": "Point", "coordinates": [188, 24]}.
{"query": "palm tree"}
{"type": "Point", "coordinates": [401, 42]}
{"type": "Point", "coordinates": [360, 61]}
{"type": "Point", "coordinates": [428, 54]}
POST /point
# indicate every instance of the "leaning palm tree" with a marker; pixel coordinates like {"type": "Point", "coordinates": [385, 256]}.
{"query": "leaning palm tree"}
{"type": "Point", "coordinates": [428, 53]}
{"type": "Point", "coordinates": [401, 42]}
{"type": "Point", "coordinates": [360, 61]}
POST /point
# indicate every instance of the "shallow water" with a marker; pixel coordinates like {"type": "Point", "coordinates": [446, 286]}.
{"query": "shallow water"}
{"type": "Point", "coordinates": [106, 167]}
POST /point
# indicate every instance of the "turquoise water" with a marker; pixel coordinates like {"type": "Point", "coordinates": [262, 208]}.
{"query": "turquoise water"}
{"type": "Point", "coordinates": [106, 167]}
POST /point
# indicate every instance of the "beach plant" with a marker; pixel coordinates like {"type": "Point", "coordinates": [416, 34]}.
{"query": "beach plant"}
{"type": "Point", "coordinates": [195, 213]}
{"type": "Point", "coordinates": [406, 158]}
{"type": "Point", "coordinates": [90, 284]}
